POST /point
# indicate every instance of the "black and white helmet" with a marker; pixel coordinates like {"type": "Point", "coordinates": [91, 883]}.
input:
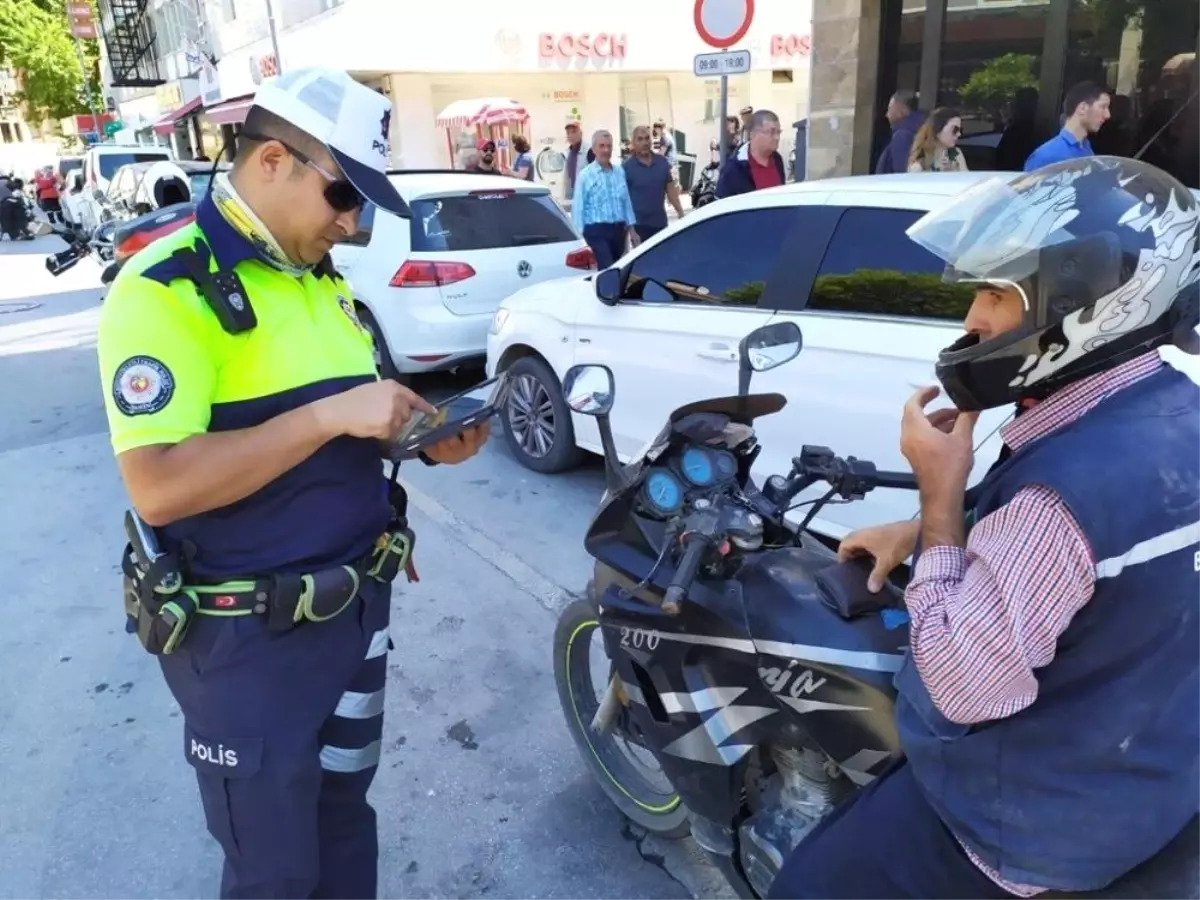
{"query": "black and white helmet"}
{"type": "Point", "coordinates": [1106, 254]}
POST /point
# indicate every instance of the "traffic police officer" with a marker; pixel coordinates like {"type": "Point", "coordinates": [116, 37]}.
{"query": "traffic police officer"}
{"type": "Point", "coordinates": [247, 419]}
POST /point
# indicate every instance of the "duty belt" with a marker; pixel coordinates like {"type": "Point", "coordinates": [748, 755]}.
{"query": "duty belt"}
{"type": "Point", "coordinates": [288, 600]}
{"type": "Point", "coordinates": [160, 605]}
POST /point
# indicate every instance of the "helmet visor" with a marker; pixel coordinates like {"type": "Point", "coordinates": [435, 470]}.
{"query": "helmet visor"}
{"type": "Point", "coordinates": [995, 231]}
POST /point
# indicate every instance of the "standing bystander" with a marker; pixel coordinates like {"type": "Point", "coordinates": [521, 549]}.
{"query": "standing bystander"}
{"type": "Point", "coordinates": [650, 178]}
{"type": "Point", "coordinates": [602, 209]}
{"type": "Point", "coordinates": [905, 118]}
{"type": "Point", "coordinates": [757, 163]}
{"type": "Point", "coordinates": [578, 156]}
{"type": "Point", "coordinates": [1085, 110]}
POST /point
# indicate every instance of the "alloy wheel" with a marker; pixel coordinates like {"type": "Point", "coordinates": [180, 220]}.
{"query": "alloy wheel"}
{"type": "Point", "coordinates": [531, 415]}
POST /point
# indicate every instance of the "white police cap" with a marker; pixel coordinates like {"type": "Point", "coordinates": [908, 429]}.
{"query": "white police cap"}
{"type": "Point", "coordinates": [349, 118]}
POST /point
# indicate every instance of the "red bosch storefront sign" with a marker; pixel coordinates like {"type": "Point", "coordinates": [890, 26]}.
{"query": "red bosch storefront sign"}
{"type": "Point", "coordinates": [581, 46]}
{"type": "Point", "coordinates": [791, 44]}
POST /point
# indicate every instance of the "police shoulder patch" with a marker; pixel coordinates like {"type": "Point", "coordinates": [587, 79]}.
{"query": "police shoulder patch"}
{"type": "Point", "coordinates": [142, 385]}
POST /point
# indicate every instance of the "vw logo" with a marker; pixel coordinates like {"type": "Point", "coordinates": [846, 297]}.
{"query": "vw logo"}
{"type": "Point", "coordinates": [524, 269]}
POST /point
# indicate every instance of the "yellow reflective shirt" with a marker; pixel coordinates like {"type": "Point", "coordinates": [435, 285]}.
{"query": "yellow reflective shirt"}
{"type": "Point", "coordinates": [170, 371]}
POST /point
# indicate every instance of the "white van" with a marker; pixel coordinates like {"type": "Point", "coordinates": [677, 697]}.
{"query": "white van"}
{"type": "Point", "coordinates": [100, 163]}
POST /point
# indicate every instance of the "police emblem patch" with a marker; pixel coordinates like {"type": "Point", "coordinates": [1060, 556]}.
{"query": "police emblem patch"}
{"type": "Point", "coordinates": [142, 385]}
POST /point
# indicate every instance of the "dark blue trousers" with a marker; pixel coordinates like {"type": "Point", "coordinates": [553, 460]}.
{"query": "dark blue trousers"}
{"type": "Point", "coordinates": [885, 843]}
{"type": "Point", "coordinates": [607, 240]}
{"type": "Point", "coordinates": [284, 731]}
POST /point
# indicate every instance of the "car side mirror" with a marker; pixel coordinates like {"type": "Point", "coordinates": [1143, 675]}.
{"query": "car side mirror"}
{"type": "Point", "coordinates": [766, 348]}
{"type": "Point", "coordinates": [608, 286]}
{"type": "Point", "coordinates": [589, 391]}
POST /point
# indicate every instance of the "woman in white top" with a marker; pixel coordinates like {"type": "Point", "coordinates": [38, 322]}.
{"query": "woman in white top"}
{"type": "Point", "coordinates": [934, 149]}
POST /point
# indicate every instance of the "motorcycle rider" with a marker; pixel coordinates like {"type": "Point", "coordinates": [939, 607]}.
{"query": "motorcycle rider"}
{"type": "Point", "coordinates": [1048, 703]}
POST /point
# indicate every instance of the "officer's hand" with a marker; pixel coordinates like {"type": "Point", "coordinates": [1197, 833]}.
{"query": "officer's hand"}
{"type": "Point", "coordinates": [376, 410]}
{"type": "Point", "coordinates": [889, 545]}
{"type": "Point", "coordinates": [461, 446]}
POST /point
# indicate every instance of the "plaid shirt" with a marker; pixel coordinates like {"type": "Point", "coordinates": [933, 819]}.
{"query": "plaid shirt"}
{"type": "Point", "coordinates": [984, 618]}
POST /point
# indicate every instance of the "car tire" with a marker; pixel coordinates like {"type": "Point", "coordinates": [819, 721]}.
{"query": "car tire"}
{"type": "Point", "coordinates": [537, 421]}
{"type": "Point", "coordinates": [383, 355]}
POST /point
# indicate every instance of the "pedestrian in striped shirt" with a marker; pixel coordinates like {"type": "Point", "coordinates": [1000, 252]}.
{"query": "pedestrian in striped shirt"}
{"type": "Point", "coordinates": [1049, 705]}
{"type": "Point", "coordinates": [602, 208]}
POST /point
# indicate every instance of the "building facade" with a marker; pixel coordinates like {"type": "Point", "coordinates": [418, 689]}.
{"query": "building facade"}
{"type": "Point", "coordinates": [612, 66]}
{"type": "Point", "coordinates": [988, 59]}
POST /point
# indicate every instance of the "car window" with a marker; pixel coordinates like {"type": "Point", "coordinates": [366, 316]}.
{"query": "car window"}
{"type": "Point", "coordinates": [483, 220]}
{"type": "Point", "coordinates": [726, 259]}
{"type": "Point", "coordinates": [871, 266]}
{"type": "Point", "coordinates": [366, 223]}
{"type": "Point", "coordinates": [108, 163]}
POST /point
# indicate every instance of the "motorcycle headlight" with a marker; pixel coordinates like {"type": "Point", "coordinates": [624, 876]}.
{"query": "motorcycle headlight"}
{"type": "Point", "coordinates": [498, 320]}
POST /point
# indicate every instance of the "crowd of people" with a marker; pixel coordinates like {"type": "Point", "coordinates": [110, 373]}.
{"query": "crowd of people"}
{"type": "Point", "coordinates": [928, 141]}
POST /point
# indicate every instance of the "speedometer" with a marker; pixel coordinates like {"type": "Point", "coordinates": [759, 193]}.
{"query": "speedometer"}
{"type": "Point", "coordinates": [697, 467]}
{"type": "Point", "coordinates": [726, 464]}
{"type": "Point", "coordinates": [663, 492]}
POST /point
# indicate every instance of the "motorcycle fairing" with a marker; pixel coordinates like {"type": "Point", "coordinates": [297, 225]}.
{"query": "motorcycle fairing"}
{"type": "Point", "coordinates": [833, 676]}
{"type": "Point", "coordinates": [694, 692]}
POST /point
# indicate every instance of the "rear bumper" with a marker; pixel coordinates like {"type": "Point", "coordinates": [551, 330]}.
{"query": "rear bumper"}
{"type": "Point", "coordinates": [426, 337]}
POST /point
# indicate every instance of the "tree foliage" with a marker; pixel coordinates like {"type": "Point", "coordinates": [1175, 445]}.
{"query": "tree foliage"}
{"type": "Point", "coordinates": [997, 81]}
{"type": "Point", "coordinates": [36, 43]}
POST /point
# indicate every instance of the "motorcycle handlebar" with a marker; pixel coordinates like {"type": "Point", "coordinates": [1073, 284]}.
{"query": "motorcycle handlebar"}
{"type": "Point", "coordinates": [904, 481]}
{"type": "Point", "coordinates": [685, 574]}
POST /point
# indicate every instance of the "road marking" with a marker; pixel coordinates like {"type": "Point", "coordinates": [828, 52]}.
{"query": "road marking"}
{"type": "Point", "coordinates": [549, 595]}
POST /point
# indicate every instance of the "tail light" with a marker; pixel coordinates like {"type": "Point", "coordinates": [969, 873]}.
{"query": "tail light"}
{"type": "Point", "coordinates": [424, 273]}
{"type": "Point", "coordinates": [131, 243]}
{"type": "Point", "coordinates": [583, 258]}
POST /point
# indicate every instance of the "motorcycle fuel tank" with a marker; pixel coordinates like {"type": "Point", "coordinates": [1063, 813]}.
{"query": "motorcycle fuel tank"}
{"type": "Point", "coordinates": [833, 675]}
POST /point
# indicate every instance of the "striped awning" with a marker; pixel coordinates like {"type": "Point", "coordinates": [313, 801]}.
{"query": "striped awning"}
{"type": "Point", "coordinates": [483, 111]}
{"type": "Point", "coordinates": [231, 112]}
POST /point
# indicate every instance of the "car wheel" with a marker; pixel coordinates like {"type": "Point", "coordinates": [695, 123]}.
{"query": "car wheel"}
{"type": "Point", "coordinates": [383, 356]}
{"type": "Point", "coordinates": [537, 422]}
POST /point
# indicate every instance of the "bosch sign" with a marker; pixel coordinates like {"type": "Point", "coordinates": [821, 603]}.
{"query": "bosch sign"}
{"type": "Point", "coordinates": [581, 46]}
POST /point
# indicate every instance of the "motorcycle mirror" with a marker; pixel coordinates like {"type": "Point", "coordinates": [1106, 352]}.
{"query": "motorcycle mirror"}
{"type": "Point", "coordinates": [766, 348]}
{"type": "Point", "coordinates": [608, 286]}
{"type": "Point", "coordinates": [589, 391]}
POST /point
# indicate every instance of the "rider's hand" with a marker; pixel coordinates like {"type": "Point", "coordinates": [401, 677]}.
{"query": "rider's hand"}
{"type": "Point", "coordinates": [459, 447]}
{"type": "Point", "coordinates": [376, 410]}
{"type": "Point", "coordinates": [888, 545]}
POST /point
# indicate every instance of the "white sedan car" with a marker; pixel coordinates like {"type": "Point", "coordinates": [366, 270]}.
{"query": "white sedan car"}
{"type": "Point", "coordinates": [830, 255]}
{"type": "Point", "coordinates": [428, 287]}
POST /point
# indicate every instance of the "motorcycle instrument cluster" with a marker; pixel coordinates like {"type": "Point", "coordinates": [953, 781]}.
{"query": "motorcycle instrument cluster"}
{"type": "Point", "coordinates": [662, 492]}
{"type": "Point", "coordinates": [703, 467]}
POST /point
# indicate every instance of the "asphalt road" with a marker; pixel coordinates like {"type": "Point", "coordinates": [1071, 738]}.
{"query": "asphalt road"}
{"type": "Point", "coordinates": [481, 791]}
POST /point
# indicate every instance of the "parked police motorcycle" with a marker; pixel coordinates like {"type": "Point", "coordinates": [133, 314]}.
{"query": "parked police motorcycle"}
{"type": "Point", "coordinates": [745, 685]}
{"type": "Point", "coordinates": [113, 242]}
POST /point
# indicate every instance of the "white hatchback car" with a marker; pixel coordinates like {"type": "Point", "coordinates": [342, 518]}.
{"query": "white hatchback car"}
{"type": "Point", "coordinates": [428, 287]}
{"type": "Point", "coordinates": [831, 255]}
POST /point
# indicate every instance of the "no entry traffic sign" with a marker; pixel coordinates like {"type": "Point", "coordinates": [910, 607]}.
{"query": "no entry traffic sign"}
{"type": "Point", "coordinates": [722, 23]}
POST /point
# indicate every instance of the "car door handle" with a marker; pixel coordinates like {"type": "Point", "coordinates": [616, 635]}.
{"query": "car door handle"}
{"type": "Point", "coordinates": [719, 352]}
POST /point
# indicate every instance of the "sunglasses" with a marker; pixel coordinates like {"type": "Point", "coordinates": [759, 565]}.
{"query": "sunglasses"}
{"type": "Point", "coordinates": [340, 194]}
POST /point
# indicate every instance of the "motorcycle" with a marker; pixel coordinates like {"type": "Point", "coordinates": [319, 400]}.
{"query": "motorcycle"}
{"type": "Point", "coordinates": [113, 242]}
{"type": "Point", "coordinates": [744, 685]}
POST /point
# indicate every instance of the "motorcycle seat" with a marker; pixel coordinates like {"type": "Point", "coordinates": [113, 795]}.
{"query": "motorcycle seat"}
{"type": "Point", "coordinates": [1174, 873]}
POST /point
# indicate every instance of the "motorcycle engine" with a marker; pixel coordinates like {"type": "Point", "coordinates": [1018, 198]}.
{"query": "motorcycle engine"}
{"type": "Point", "coordinates": [801, 792]}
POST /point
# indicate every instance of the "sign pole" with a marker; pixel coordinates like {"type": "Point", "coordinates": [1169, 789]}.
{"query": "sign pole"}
{"type": "Point", "coordinates": [725, 137]}
{"type": "Point", "coordinates": [274, 37]}
{"type": "Point", "coordinates": [87, 87]}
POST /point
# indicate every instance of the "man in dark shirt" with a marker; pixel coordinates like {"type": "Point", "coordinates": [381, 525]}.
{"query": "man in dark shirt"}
{"type": "Point", "coordinates": [757, 163]}
{"type": "Point", "coordinates": [905, 119]}
{"type": "Point", "coordinates": [649, 177]}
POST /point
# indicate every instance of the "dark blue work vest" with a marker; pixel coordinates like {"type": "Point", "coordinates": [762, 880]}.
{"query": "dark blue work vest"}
{"type": "Point", "coordinates": [1103, 768]}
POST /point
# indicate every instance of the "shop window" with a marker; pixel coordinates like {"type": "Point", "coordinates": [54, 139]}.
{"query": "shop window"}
{"type": "Point", "coordinates": [990, 71]}
{"type": "Point", "coordinates": [725, 260]}
{"type": "Point", "coordinates": [888, 275]}
{"type": "Point", "coordinates": [6, 133]}
{"type": "Point", "coordinates": [1145, 52]}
